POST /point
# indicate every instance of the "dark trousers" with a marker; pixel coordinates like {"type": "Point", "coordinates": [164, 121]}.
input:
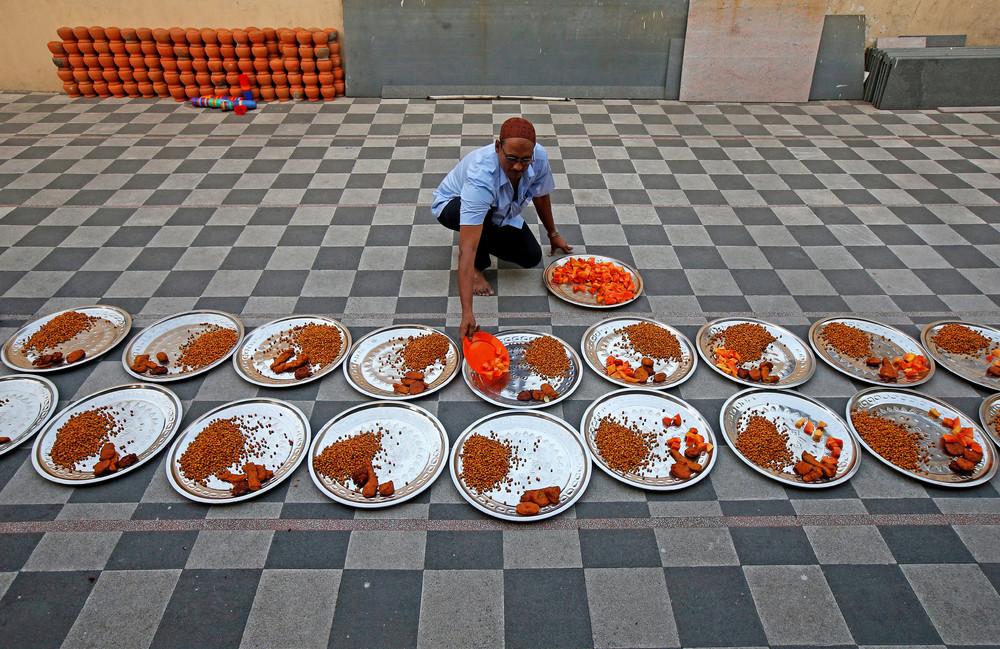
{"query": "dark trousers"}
{"type": "Point", "coordinates": [516, 245]}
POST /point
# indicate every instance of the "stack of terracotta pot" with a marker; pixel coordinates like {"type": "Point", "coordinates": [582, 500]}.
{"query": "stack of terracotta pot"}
{"type": "Point", "coordinates": [281, 64]}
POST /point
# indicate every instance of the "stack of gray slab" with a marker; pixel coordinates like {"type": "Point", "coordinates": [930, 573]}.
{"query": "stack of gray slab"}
{"type": "Point", "coordinates": [932, 77]}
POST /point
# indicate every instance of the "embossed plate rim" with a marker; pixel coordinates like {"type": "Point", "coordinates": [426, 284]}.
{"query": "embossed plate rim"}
{"type": "Point", "coordinates": [197, 424]}
{"type": "Point", "coordinates": [272, 328]}
{"type": "Point", "coordinates": [379, 501]}
{"type": "Point", "coordinates": [568, 297]}
{"type": "Point", "coordinates": [984, 418]}
{"type": "Point", "coordinates": [551, 420]}
{"type": "Point", "coordinates": [823, 354]}
{"type": "Point", "coordinates": [594, 363]}
{"type": "Point", "coordinates": [934, 353]}
{"type": "Point", "coordinates": [989, 449]}
{"type": "Point", "coordinates": [43, 417]}
{"type": "Point", "coordinates": [657, 395]}
{"type": "Point", "coordinates": [121, 333]}
{"type": "Point", "coordinates": [701, 341]}
{"type": "Point", "coordinates": [80, 405]}
{"type": "Point", "coordinates": [167, 378]}
{"type": "Point", "coordinates": [471, 378]}
{"type": "Point", "coordinates": [784, 477]}
{"type": "Point", "coordinates": [349, 362]}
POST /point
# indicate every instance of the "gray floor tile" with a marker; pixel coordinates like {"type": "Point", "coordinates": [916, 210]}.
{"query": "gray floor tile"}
{"type": "Point", "coordinates": [630, 608]}
{"type": "Point", "coordinates": [794, 602]}
{"type": "Point", "coordinates": [461, 608]}
{"type": "Point", "coordinates": [65, 551]}
{"type": "Point", "coordinates": [292, 608]}
{"type": "Point", "coordinates": [953, 595]}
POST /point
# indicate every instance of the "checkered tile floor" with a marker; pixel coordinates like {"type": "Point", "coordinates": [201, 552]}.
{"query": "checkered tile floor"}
{"type": "Point", "coordinates": [788, 212]}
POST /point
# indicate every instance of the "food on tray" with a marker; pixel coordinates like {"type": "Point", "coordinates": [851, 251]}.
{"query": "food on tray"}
{"type": "Point", "coordinates": [224, 445]}
{"type": "Point", "coordinates": [411, 383]}
{"type": "Point", "coordinates": [352, 459]}
{"type": "Point", "coordinates": [609, 283]}
{"type": "Point", "coordinates": [527, 509]}
{"type": "Point", "coordinates": [748, 340]}
{"type": "Point", "coordinates": [142, 363]}
{"type": "Point", "coordinates": [110, 461]}
{"type": "Point", "coordinates": [304, 348]}
{"type": "Point", "coordinates": [624, 448]}
{"type": "Point", "coordinates": [959, 339]}
{"type": "Point", "coordinates": [48, 360]}
{"type": "Point", "coordinates": [494, 369]}
{"type": "Point", "coordinates": [621, 369]}
{"type": "Point", "coordinates": [546, 357]}
{"type": "Point", "coordinates": [847, 340]}
{"type": "Point", "coordinates": [811, 469]}
{"type": "Point", "coordinates": [486, 462]}
{"type": "Point", "coordinates": [421, 352]}
{"type": "Point", "coordinates": [909, 365]}
{"type": "Point", "coordinates": [652, 341]}
{"type": "Point", "coordinates": [896, 442]}
{"type": "Point", "coordinates": [532, 500]}
{"type": "Point", "coordinates": [761, 441]}
{"type": "Point", "coordinates": [162, 357]}
{"type": "Point", "coordinates": [204, 348]}
{"type": "Point", "coordinates": [83, 436]}
{"type": "Point", "coordinates": [4, 440]}
{"type": "Point", "coordinates": [960, 445]}
{"type": "Point", "coordinates": [544, 394]}
{"type": "Point", "coordinates": [76, 356]}
{"type": "Point", "coordinates": [60, 329]}
{"type": "Point", "coordinates": [684, 464]}
{"type": "Point", "coordinates": [730, 363]}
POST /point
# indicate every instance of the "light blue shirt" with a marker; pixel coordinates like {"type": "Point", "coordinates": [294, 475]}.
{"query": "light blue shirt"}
{"type": "Point", "coordinates": [482, 184]}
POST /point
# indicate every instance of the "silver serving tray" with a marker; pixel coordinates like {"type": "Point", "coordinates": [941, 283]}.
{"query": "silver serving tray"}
{"type": "Point", "coordinates": [886, 341]}
{"type": "Point", "coordinates": [646, 409]}
{"type": "Point", "coordinates": [912, 407]}
{"type": "Point", "coordinates": [26, 403]}
{"type": "Point", "coordinates": [151, 414]}
{"type": "Point", "coordinates": [785, 409]}
{"type": "Point", "coordinates": [971, 369]}
{"type": "Point", "coordinates": [793, 360]}
{"type": "Point", "coordinates": [583, 298]}
{"type": "Point", "coordinates": [288, 439]}
{"type": "Point", "coordinates": [260, 347]}
{"type": "Point", "coordinates": [989, 412]}
{"type": "Point", "coordinates": [562, 455]}
{"type": "Point", "coordinates": [169, 334]}
{"type": "Point", "coordinates": [416, 444]}
{"type": "Point", "coordinates": [600, 341]}
{"type": "Point", "coordinates": [368, 371]}
{"type": "Point", "coordinates": [503, 391]}
{"type": "Point", "coordinates": [102, 336]}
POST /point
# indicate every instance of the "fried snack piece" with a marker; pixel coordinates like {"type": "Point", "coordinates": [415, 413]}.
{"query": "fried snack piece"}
{"type": "Point", "coordinates": [108, 451]}
{"type": "Point", "coordinates": [417, 386]}
{"type": "Point", "coordinates": [955, 449]}
{"type": "Point", "coordinates": [241, 488]}
{"type": "Point", "coordinates": [162, 357]}
{"type": "Point", "coordinates": [961, 465]}
{"type": "Point", "coordinates": [414, 376]}
{"type": "Point", "coordinates": [647, 363]}
{"type": "Point", "coordinates": [229, 477]}
{"type": "Point", "coordinates": [641, 375]}
{"type": "Point", "coordinates": [553, 494]}
{"type": "Point", "coordinates": [887, 372]}
{"type": "Point", "coordinates": [993, 370]}
{"type": "Point", "coordinates": [694, 466]}
{"type": "Point", "coordinates": [524, 395]}
{"type": "Point", "coordinates": [873, 361]}
{"type": "Point", "coordinates": [743, 373]}
{"type": "Point", "coordinates": [4, 440]}
{"type": "Point", "coordinates": [537, 395]}
{"type": "Point", "coordinates": [127, 460]}
{"type": "Point", "coordinates": [548, 391]}
{"type": "Point", "coordinates": [387, 488]}
{"type": "Point", "coordinates": [158, 370]}
{"type": "Point", "coordinates": [659, 377]}
{"type": "Point", "coordinates": [76, 356]}
{"type": "Point", "coordinates": [281, 359]}
{"type": "Point", "coordinates": [528, 509]}
{"type": "Point", "coordinates": [360, 476]}
{"type": "Point", "coordinates": [370, 489]}
{"type": "Point", "coordinates": [105, 466]}
{"type": "Point", "coordinates": [680, 471]}
{"type": "Point", "coordinates": [400, 388]}
{"type": "Point", "coordinates": [138, 368]}
{"type": "Point", "coordinates": [303, 372]}
{"type": "Point", "coordinates": [972, 455]}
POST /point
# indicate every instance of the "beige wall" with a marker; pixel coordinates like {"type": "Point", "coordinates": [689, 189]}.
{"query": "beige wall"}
{"type": "Point", "coordinates": [25, 63]}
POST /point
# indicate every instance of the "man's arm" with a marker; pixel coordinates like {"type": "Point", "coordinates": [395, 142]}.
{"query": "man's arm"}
{"type": "Point", "coordinates": [543, 205]}
{"type": "Point", "coordinates": [468, 243]}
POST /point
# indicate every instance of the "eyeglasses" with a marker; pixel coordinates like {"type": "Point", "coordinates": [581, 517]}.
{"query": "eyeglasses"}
{"type": "Point", "coordinates": [514, 159]}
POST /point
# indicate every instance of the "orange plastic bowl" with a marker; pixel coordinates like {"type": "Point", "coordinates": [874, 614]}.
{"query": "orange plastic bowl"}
{"type": "Point", "coordinates": [483, 349]}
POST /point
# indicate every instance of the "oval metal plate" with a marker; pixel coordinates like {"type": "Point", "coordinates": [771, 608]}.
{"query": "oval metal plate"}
{"type": "Point", "coordinates": [261, 346]}
{"type": "Point", "coordinates": [150, 415]}
{"type": "Point", "coordinates": [972, 369]}
{"type": "Point", "coordinates": [989, 417]}
{"type": "Point", "coordinates": [170, 333]}
{"type": "Point", "coordinates": [111, 329]}
{"type": "Point", "coordinates": [785, 409]}
{"type": "Point", "coordinates": [561, 454]}
{"type": "Point", "coordinates": [583, 298]}
{"type": "Point", "coordinates": [602, 340]}
{"type": "Point", "coordinates": [414, 442]}
{"type": "Point", "coordinates": [503, 391]}
{"type": "Point", "coordinates": [26, 403]}
{"type": "Point", "coordinates": [287, 437]}
{"type": "Point", "coordinates": [369, 372]}
{"type": "Point", "coordinates": [911, 407]}
{"type": "Point", "coordinates": [886, 341]}
{"type": "Point", "coordinates": [793, 360]}
{"type": "Point", "coordinates": [645, 410]}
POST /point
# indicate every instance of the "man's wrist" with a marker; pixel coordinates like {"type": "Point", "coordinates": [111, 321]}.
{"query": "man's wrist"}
{"type": "Point", "coordinates": [553, 234]}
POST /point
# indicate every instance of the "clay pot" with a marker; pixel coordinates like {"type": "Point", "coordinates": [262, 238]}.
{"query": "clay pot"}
{"type": "Point", "coordinates": [111, 75]}
{"type": "Point", "coordinates": [322, 53]}
{"type": "Point", "coordinates": [137, 61]}
{"type": "Point", "coordinates": [258, 51]}
{"type": "Point", "coordinates": [332, 34]}
{"type": "Point", "coordinates": [224, 36]}
{"type": "Point", "coordinates": [199, 65]}
{"type": "Point", "coordinates": [191, 92]}
{"type": "Point", "coordinates": [304, 37]}
{"type": "Point", "coordinates": [131, 89]}
{"type": "Point", "coordinates": [148, 48]}
{"type": "Point", "coordinates": [182, 51]}
{"type": "Point", "coordinates": [87, 88]}
{"type": "Point", "coordinates": [144, 33]}
{"type": "Point", "coordinates": [86, 47]}
{"type": "Point", "coordinates": [186, 78]}
{"type": "Point", "coordinates": [291, 51]}
{"type": "Point", "coordinates": [116, 89]}
{"type": "Point", "coordinates": [126, 75]}
{"type": "Point", "coordinates": [121, 60]}
{"type": "Point", "coordinates": [173, 78]}
{"type": "Point", "coordinates": [152, 62]}
{"type": "Point", "coordinates": [324, 66]}
{"type": "Point", "coordinates": [140, 76]}
{"type": "Point", "coordinates": [235, 91]}
{"type": "Point", "coordinates": [65, 33]}
{"type": "Point", "coordinates": [209, 37]}
{"type": "Point", "coordinates": [280, 79]}
{"type": "Point", "coordinates": [233, 79]}
{"type": "Point", "coordinates": [267, 93]}
{"type": "Point", "coordinates": [91, 61]}
{"type": "Point", "coordinates": [240, 37]}
{"type": "Point", "coordinates": [227, 51]}
{"type": "Point", "coordinates": [117, 47]}
{"type": "Point", "coordinates": [305, 51]}
{"type": "Point", "coordinates": [256, 36]}
{"type": "Point", "coordinates": [65, 75]}
{"type": "Point", "coordinates": [72, 89]}
{"type": "Point", "coordinates": [273, 49]}
{"type": "Point", "coordinates": [230, 65]}
{"type": "Point", "coordinates": [113, 33]}
{"type": "Point", "coordinates": [312, 93]}
{"type": "Point", "coordinates": [97, 33]}
{"type": "Point", "coordinates": [177, 92]}
{"type": "Point", "coordinates": [101, 88]}
{"type": "Point", "coordinates": [161, 36]}
{"type": "Point", "coordinates": [197, 51]}
{"type": "Point", "coordinates": [56, 47]}
{"type": "Point", "coordinates": [339, 85]}
{"type": "Point", "coordinates": [270, 33]}
{"type": "Point", "coordinates": [244, 52]}
{"type": "Point", "coordinates": [206, 90]}
{"type": "Point", "coordinates": [292, 65]}
{"type": "Point", "coordinates": [328, 92]}
{"type": "Point", "coordinates": [129, 35]}
{"type": "Point", "coordinates": [146, 90]}
{"type": "Point", "coordinates": [338, 74]}
{"type": "Point", "coordinates": [71, 47]}
{"type": "Point", "coordinates": [282, 93]}
{"type": "Point", "coordinates": [81, 33]}
{"type": "Point", "coordinates": [277, 65]}
{"type": "Point", "coordinates": [81, 75]}
{"type": "Point", "coordinates": [193, 36]}
{"type": "Point", "coordinates": [165, 51]}
{"type": "Point", "coordinates": [169, 64]}
{"type": "Point", "coordinates": [203, 79]}
{"type": "Point", "coordinates": [336, 61]}
{"type": "Point", "coordinates": [218, 79]}
{"type": "Point", "coordinates": [76, 61]}
{"type": "Point", "coordinates": [246, 65]}
{"type": "Point", "coordinates": [334, 47]}
{"type": "Point", "coordinates": [307, 65]}
{"type": "Point", "coordinates": [177, 36]}
{"type": "Point", "coordinates": [155, 76]}
{"type": "Point", "coordinates": [264, 78]}
{"type": "Point", "coordinates": [102, 47]}
{"type": "Point", "coordinates": [133, 48]}
{"type": "Point", "coordinates": [325, 78]}
{"type": "Point", "coordinates": [106, 61]}
{"type": "Point", "coordinates": [185, 65]}
{"type": "Point", "coordinates": [213, 52]}
{"type": "Point", "coordinates": [309, 79]}
{"type": "Point", "coordinates": [95, 74]}
{"type": "Point", "coordinates": [320, 38]}
{"type": "Point", "coordinates": [215, 65]}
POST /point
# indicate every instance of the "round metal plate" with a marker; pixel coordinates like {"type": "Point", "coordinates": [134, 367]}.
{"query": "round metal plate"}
{"type": "Point", "coordinates": [989, 417]}
{"type": "Point", "coordinates": [793, 360]}
{"type": "Point", "coordinates": [413, 441]}
{"type": "Point", "coordinates": [149, 414]}
{"type": "Point", "coordinates": [283, 431]}
{"type": "Point", "coordinates": [603, 340]}
{"type": "Point", "coordinates": [503, 391]}
{"type": "Point", "coordinates": [645, 410]}
{"type": "Point", "coordinates": [583, 298]}
{"type": "Point", "coordinates": [170, 333]}
{"type": "Point", "coordinates": [111, 329]}
{"type": "Point", "coordinates": [550, 449]}
{"type": "Point", "coordinates": [911, 408]}
{"type": "Point", "coordinates": [785, 409]}
{"type": "Point", "coordinates": [26, 403]}
{"type": "Point", "coordinates": [972, 369]}
{"type": "Point", "coordinates": [261, 346]}
{"type": "Point", "coordinates": [369, 371]}
{"type": "Point", "coordinates": [886, 341]}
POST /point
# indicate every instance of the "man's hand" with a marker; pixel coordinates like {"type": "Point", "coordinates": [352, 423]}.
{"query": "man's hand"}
{"type": "Point", "coordinates": [468, 326]}
{"type": "Point", "coordinates": [558, 243]}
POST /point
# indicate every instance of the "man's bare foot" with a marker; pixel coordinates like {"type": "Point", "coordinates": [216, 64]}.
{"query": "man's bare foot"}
{"type": "Point", "coordinates": [480, 286]}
